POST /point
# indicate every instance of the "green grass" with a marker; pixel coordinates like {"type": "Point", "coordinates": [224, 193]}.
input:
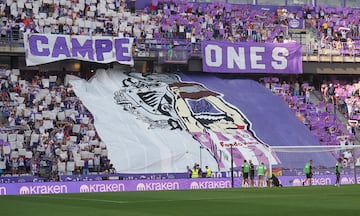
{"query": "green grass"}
{"type": "Point", "coordinates": [292, 201]}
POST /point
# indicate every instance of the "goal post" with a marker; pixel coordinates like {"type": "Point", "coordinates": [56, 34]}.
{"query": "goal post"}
{"type": "Point", "coordinates": [324, 157]}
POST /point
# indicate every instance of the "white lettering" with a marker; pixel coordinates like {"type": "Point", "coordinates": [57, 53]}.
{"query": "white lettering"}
{"type": "Point", "coordinates": [128, 47]}
{"type": "Point", "coordinates": [24, 190]}
{"type": "Point", "coordinates": [236, 57]}
{"type": "Point", "coordinates": [102, 188]}
{"type": "Point", "coordinates": [235, 173]}
{"type": "Point", "coordinates": [240, 57]}
{"type": "Point", "coordinates": [84, 189]}
{"type": "Point", "coordinates": [43, 189]}
{"type": "Point", "coordinates": [255, 58]}
{"type": "Point", "coordinates": [280, 62]}
{"type": "Point", "coordinates": [194, 185]}
{"type": "Point", "coordinates": [321, 181]}
{"type": "Point", "coordinates": [297, 182]}
{"type": "Point", "coordinates": [155, 186]}
{"type": "Point", "coordinates": [97, 49]}
{"type": "Point", "coordinates": [349, 180]}
{"type": "Point", "coordinates": [217, 54]}
{"type": "Point", "coordinates": [345, 180]}
{"type": "Point", "coordinates": [210, 184]}
{"type": "Point", "coordinates": [140, 187]}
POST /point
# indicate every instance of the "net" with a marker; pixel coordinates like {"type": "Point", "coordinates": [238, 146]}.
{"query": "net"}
{"type": "Point", "coordinates": [301, 149]}
{"type": "Point", "coordinates": [324, 158]}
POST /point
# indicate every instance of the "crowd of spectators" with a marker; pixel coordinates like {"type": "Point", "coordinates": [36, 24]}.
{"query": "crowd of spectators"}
{"type": "Point", "coordinates": [336, 29]}
{"type": "Point", "coordinates": [45, 130]}
{"type": "Point", "coordinates": [320, 116]}
{"type": "Point", "coordinates": [162, 20]}
{"type": "Point", "coordinates": [45, 125]}
{"type": "Point", "coordinates": [345, 96]}
{"type": "Point", "coordinates": [166, 20]}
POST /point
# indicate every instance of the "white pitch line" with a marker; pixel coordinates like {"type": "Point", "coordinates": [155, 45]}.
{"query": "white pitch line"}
{"type": "Point", "coordinates": [121, 201]}
{"type": "Point", "coordinates": [84, 199]}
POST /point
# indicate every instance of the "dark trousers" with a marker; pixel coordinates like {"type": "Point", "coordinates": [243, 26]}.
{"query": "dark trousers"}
{"type": "Point", "coordinates": [132, 6]}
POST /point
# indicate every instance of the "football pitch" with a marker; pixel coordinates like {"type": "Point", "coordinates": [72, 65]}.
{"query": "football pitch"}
{"type": "Point", "coordinates": [315, 200]}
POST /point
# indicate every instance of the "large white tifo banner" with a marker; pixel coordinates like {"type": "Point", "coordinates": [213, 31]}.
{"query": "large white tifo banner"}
{"type": "Point", "coordinates": [164, 122]}
{"type": "Point", "coordinates": [137, 141]}
{"type": "Point", "coordinates": [46, 48]}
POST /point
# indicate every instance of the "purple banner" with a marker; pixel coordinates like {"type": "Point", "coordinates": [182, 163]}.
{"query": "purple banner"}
{"type": "Point", "coordinates": [154, 185]}
{"type": "Point", "coordinates": [46, 48]}
{"type": "Point", "coordinates": [296, 23]}
{"type": "Point", "coordinates": [226, 57]}
{"type": "Point", "coordinates": [114, 186]}
{"type": "Point", "coordinates": [98, 177]}
{"type": "Point", "coordinates": [317, 180]}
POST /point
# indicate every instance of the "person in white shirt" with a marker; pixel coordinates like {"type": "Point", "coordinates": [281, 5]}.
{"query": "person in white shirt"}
{"type": "Point", "coordinates": [59, 135]}
{"type": "Point", "coordinates": [11, 120]}
{"type": "Point", "coordinates": [97, 163]}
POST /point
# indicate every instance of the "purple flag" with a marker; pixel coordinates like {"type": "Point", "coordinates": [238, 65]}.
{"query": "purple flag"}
{"type": "Point", "coordinates": [226, 57]}
{"type": "Point", "coordinates": [295, 23]}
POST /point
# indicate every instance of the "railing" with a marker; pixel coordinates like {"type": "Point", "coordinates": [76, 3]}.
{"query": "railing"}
{"type": "Point", "coordinates": [182, 50]}
{"type": "Point", "coordinates": [333, 52]}
{"type": "Point", "coordinates": [166, 51]}
{"type": "Point", "coordinates": [332, 3]}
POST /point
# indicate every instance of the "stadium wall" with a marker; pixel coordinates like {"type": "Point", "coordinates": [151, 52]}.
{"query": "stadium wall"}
{"type": "Point", "coordinates": [17, 60]}
{"type": "Point", "coordinates": [151, 185]}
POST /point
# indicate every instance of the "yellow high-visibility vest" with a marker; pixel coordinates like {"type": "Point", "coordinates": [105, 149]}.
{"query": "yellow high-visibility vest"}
{"type": "Point", "coordinates": [208, 173]}
{"type": "Point", "coordinates": [195, 173]}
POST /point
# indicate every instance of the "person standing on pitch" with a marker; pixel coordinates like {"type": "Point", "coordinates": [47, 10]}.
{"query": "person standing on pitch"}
{"type": "Point", "coordinates": [195, 171]}
{"type": "Point", "coordinates": [337, 172]}
{"type": "Point", "coordinates": [308, 172]}
{"type": "Point", "coordinates": [245, 172]}
{"type": "Point", "coordinates": [208, 172]}
{"type": "Point", "coordinates": [189, 171]}
{"type": "Point", "coordinates": [252, 173]}
{"type": "Point", "coordinates": [260, 169]}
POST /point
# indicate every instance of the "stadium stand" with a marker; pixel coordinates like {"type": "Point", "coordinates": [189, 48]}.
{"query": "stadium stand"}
{"type": "Point", "coordinates": [322, 116]}
{"type": "Point", "coordinates": [319, 117]}
{"type": "Point", "coordinates": [46, 127]}
{"type": "Point", "coordinates": [44, 124]}
{"type": "Point", "coordinates": [163, 21]}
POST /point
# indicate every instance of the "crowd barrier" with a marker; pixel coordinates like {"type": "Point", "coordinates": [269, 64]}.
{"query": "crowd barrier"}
{"type": "Point", "coordinates": [8, 179]}
{"type": "Point", "coordinates": [158, 51]}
